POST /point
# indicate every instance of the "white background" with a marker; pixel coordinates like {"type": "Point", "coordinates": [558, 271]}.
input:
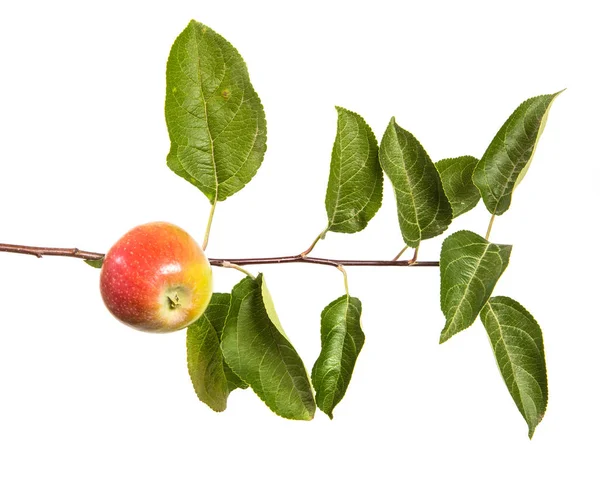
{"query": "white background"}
{"type": "Point", "coordinates": [82, 156]}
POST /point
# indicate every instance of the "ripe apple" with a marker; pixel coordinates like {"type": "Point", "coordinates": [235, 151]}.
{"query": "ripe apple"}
{"type": "Point", "coordinates": [156, 278]}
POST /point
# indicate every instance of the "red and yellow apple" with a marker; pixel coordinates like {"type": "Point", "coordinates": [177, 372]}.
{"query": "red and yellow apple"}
{"type": "Point", "coordinates": [156, 278]}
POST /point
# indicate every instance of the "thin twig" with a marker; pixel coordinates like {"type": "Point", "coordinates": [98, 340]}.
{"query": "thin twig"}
{"type": "Point", "coordinates": [52, 252]}
{"type": "Point", "coordinates": [220, 262]}
{"type": "Point", "coordinates": [313, 244]}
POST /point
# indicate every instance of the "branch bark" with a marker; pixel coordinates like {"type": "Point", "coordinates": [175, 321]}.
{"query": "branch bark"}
{"type": "Point", "coordinates": [40, 252]}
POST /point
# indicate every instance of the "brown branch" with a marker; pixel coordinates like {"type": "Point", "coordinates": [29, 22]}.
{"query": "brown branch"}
{"type": "Point", "coordinates": [53, 252]}
{"type": "Point", "coordinates": [40, 252]}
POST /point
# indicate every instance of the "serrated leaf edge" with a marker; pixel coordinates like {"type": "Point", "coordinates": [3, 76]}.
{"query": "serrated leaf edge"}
{"type": "Point", "coordinates": [215, 197]}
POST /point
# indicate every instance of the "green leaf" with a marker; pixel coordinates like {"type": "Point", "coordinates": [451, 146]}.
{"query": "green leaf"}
{"type": "Point", "coordinates": [355, 187]}
{"type": "Point", "coordinates": [215, 119]}
{"type": "Point", "coordinates": [95, 263]}
{"type": "Point", "coordinates": [456, 175]}
{"type": "Point", "coordinates": [518, 345]}
{"type": "Point", "coordinates": [508, 157]}
{"type": "Point", "coordinates": [216, 313]}
{"type": "Point", "coordinates": [212, 379]}
{"type": "Point", "coordinates": [341, 341]}
{"type": "Point", "coordinates": [423, 208]}
{"type": "Point", "coordinates": [470, 266]}
{"type": "Point", "coordinates": [262, 356]}
{"type": "Point", "coordinates": [204, 357]}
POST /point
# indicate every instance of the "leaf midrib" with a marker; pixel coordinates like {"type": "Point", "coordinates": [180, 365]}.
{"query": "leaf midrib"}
{"type": "Point", "coordinates": [512, 364]}
{"type": "Point", "coordinates": [514, 163]}
{"type": "Point", "coordinates": [410, 188]}
{"type": "Point", "coordinates": [402, 167]}
{"type": "Point", "coordinates": [204, 105]}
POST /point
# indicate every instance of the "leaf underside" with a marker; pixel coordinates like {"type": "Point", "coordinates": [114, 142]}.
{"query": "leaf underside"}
{"type": "Point", "coordinates": [262, 356]}
{"type": "Point", "coordinates": [215, 119]}
{"type": "Point", "coordinates": [518, 346]}
{"type": "Point", "coordinates": [470, 266]}
{"type": "Point", "coordinates": [355, 187]}
{"type": "Point", "coordinates": [423, 208]}
{"type": "Point", "coordinates": [509, 155]}
{"type": "Point", "coordinates": [456, 175]}
{"type": "Point", "coordinates": [212, 379]}
{"type": "Point", "coordinates": [341, 341]}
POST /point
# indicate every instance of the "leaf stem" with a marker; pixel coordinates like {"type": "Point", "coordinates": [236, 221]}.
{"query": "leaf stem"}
{"type": "Point", "coordinates": [235, 266]}
{"type": "Point", "coordinates": [413, 260]}
{"type": "Point", "coordinates": [400, 254]}
{"type": "Point", "coordinates": [208, 225]}
{"type": "Point", "coordinates": [313, 244]}
{"type": "Point", "coordinates": [489, 229]}
{"type": "Point", "coordinates": [341, 269]}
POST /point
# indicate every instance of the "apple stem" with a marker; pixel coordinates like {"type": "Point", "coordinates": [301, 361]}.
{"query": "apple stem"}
{"type": "Point", "coordinates": [208, 225]}
{"type": "Point", "coordinates": [173, 301]}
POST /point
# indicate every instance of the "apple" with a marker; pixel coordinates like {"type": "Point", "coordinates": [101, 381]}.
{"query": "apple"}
{"type": "Point", "coordinates": [156, 278]}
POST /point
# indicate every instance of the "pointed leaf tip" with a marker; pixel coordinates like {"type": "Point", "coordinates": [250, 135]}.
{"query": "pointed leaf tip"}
{"type": "Point", "coordinates": [509, 155]}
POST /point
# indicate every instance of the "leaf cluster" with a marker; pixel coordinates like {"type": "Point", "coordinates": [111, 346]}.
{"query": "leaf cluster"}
{"type": "Point", "coordinates": [217, 129]}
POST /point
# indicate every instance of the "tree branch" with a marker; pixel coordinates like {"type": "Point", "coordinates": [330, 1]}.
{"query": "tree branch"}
{"type": "Point", "coordinates": [53, 252]}
{"type": "Point", "coordinates": [40, 252]}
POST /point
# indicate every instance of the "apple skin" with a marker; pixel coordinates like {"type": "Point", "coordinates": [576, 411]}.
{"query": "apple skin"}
{"type": "Point", "coordinates": [156, 278]}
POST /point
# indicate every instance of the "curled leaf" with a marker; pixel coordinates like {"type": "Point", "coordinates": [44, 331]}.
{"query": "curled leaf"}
{"type": "Point", "coordinates": [456, 175]}
{"type": "Point", "coordinates": [256, 349]}
{"type": "Point", "coordinates": [341, 341]}
{"type": "Point", "coordinates": [355, 187]}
